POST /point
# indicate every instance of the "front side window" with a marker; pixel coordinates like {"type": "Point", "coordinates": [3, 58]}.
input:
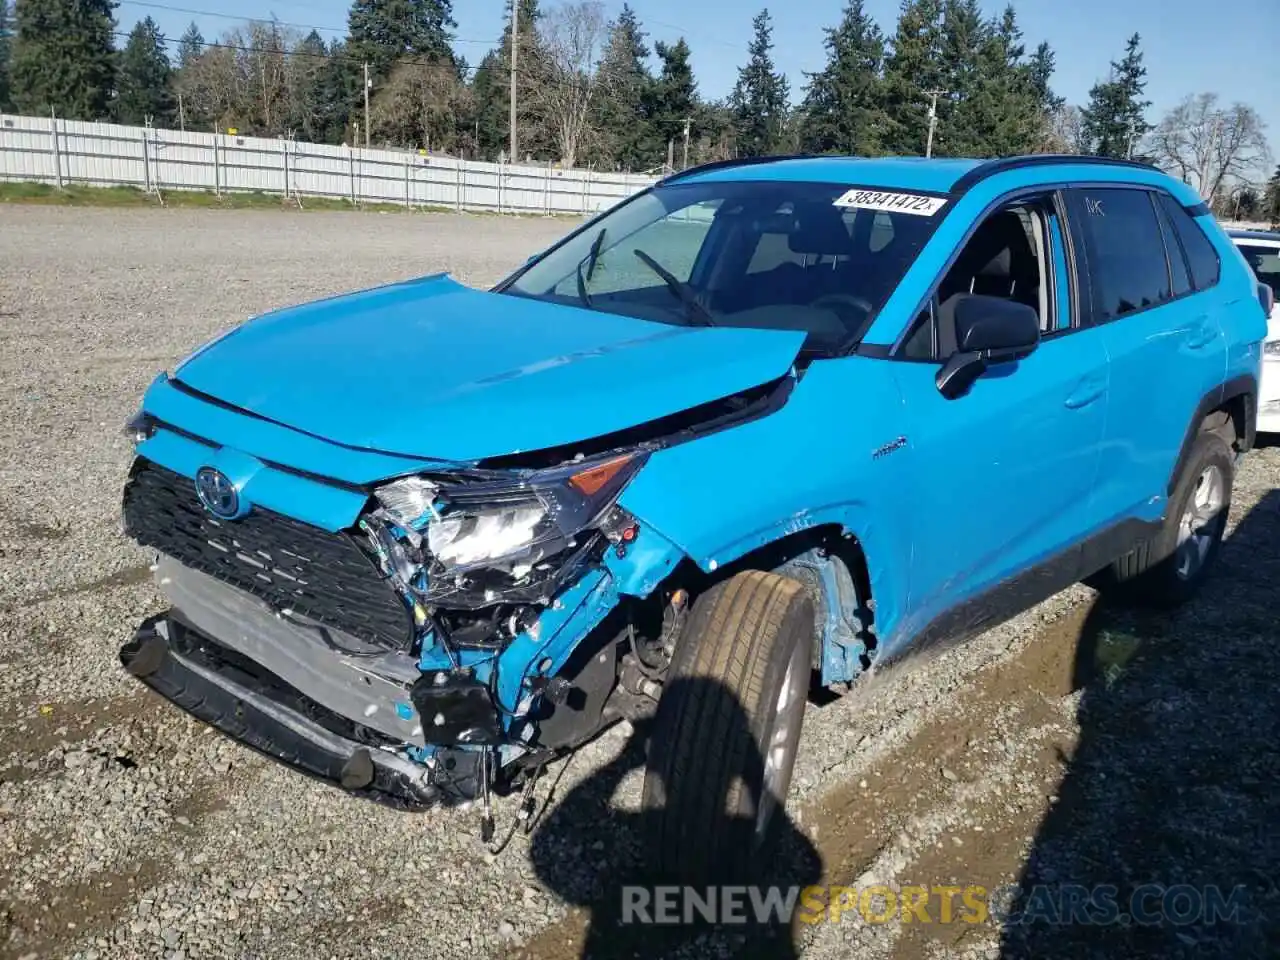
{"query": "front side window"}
{"type": "Point", "coordinates": [770, 255]}
{"type": "Point", "coordinates": [1124, 250]}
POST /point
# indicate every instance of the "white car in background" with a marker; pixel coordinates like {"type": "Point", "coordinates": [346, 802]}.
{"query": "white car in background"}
{"type": "Point", "coordinates": [1262, 251]}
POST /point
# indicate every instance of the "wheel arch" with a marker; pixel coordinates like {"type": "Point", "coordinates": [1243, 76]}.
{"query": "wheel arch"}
{"type": "Point", "coordinates": [1238, 399]}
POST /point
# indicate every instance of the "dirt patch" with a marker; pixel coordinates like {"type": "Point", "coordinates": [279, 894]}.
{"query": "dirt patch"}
{"type": "Point", "coordinates": [27, 736]}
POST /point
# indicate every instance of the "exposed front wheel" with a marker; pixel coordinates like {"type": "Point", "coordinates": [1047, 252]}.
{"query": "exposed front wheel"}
{"type": "Point", "coordinates": [727, 729]}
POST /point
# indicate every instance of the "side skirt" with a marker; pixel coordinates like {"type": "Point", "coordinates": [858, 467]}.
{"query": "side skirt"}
{"type": "Point", "coordinates": [1022, 591]}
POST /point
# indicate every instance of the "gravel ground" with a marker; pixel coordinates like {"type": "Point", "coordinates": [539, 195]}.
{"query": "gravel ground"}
{"type": "Point", "coordinates": [1074, 744]}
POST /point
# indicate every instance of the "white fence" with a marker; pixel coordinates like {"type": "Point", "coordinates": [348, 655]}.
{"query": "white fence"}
{"type": "Point", "coordinates": [62, 152]}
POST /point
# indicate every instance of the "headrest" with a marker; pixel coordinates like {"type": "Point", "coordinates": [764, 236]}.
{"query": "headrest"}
{"type": "Point", "coordinates": [819, 230]}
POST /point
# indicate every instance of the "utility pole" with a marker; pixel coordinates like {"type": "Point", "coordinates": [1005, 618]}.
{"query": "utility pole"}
{"type": "Point", "coordinates": [366, 104]}
{"type": "Point", "coordinates": [933, 121]}
{"type": "Point", "coordinates": [182, 116]}
{"type": "Point", "coordinates": [515, 46]}
{"type": "Point", "coordinates": [685, 163]}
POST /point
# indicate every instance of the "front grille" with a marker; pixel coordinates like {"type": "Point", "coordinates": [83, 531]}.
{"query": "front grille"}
{"type": "Point", "coordinates": [291, 565]}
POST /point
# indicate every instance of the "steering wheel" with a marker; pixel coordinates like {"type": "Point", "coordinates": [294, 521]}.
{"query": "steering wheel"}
{"type": "Point", "coordinates": [835, 300]}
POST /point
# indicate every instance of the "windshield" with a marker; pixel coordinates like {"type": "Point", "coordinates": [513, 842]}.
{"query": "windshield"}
{"type": "Point", "coordinates": [773, 255]}
{"type": "Point", "coordinates": [1265, 262]}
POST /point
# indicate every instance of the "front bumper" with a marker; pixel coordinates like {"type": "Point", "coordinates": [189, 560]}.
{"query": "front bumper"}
{"type": "Point", "coordinates": [247, 703]}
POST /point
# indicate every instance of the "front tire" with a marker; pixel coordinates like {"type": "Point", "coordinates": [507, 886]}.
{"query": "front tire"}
{"type": "Point", "coordinates": [727, 729]}
{"type": "Point", "coordinates": [1171, 568]}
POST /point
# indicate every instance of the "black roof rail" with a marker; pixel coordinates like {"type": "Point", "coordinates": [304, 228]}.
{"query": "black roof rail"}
{"type": "Point", "coordinates": [990, 168]}
{"type": "Point", "coordinates": [724, 164]}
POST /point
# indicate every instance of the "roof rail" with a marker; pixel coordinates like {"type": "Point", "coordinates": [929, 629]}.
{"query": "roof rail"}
{"type": "Point", "coordinates": [738, 162]}
{"type": "Point", "coordinates": [990, 168]}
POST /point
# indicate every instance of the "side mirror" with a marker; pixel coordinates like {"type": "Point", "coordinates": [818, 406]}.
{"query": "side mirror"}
{"type": "Point", "coordinates": [989, 330]}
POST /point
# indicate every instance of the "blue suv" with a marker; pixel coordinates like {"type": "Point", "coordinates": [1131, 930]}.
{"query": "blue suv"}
{"type": "Point", "coordinates": [765, 426]}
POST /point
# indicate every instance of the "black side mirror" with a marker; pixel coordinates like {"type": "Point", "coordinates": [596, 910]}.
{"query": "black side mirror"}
{"type": "Point", "coordinates": [989, 330]}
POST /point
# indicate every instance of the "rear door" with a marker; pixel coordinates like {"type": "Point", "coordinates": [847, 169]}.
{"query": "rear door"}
{"type": "Point", "coordinates": [1162, 329]}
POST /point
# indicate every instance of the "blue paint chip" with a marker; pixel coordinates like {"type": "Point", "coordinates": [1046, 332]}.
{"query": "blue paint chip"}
{"type": "Point", "coordinates": [404, 711]}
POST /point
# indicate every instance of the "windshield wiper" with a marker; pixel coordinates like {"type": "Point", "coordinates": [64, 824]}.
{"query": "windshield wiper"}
{"type": "Point", "coordinates": [592, 256]}
{"type": "Point", "coordinates": [697, 313]}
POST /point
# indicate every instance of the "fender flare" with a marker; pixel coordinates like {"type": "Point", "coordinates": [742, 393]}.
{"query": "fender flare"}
{"type": "Point", "coordinates": [1245, 385]}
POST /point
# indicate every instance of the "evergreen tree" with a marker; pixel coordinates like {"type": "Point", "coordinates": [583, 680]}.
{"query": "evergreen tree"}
{"type": "Point", "coordinates": [6, 40]}
{"type": "Point", "coordinates": [673, 98]}
{"type": "Point", "coordinates": [190, 45]}
{"type": "Point", "coordinates": [625, 81]}
{"type": "Point", "coordinates": [995, 110]}
{"type": "Point", "coordinates": [1115, 119]}
{"type": "Point", "coordinates": [843, 111]}
{"type": "Point", "coordinates": [1040, 69]}
{"type": "Point", "coordinates": [1271, 200]}
{"type": "Point", "coordinates": [143, 79]}
{"type": "Point", "coordinates": [383, 31]}
{"type": "Point", "coordinates": [491, 90]}
{"type": "Point", "coordinates": [760, 97]}
{"type": "Point", "coordinates": [912, 71]}
{"type": "Point", "coordinates": [62, 58]}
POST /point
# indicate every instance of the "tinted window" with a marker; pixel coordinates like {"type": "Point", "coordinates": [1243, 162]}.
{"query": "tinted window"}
{"type": "Point", "coordinates": [1124, 250]}
{"type": "Point", "coordinates": [1265, 262]}
{"type": "Point", "coordinates": [1177, 260]}
{"type": "Point", "coordinates": [1200, 253]}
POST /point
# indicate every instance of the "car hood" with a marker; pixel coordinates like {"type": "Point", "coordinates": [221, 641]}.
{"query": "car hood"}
{"type": "Point", "coordinates": [431, 368]}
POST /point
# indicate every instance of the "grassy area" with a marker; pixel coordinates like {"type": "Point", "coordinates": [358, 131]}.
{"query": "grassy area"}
{"type": "Point", "coordinates": [79, 195]}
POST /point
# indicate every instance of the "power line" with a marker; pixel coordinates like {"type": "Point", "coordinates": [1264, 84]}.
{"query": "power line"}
{"type": "Point", "coordinates": [148, 4]}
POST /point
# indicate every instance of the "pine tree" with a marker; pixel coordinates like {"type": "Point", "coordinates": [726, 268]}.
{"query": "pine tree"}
{"type": "Point", "coordinates": [1271, 201]}
{"type": "Point", "coordinates": [843, 106]}
{"type": "Point", "coordinates": [382, 31]}
{"type": "Point", "coordinates": [1115, 119]}
{"type": "Point", "coordinates": [491, 90]}
{"type": "Point", "coordinates": [673, 98]}
{"type": "Point", "coordinates": [6, 41]}
{"type": "Point", "coordinates": [143, 79]}
{"type": "Point", "coordinates": [62, 58]}
{"type": "Point", "coordinates": [760, 97]}
{"type": "Point", "coordinates": [625, 80]}
{"type": "Point", "coordinates": [190, 45]}
{"type": "Point", "coordinates": [912, 70]}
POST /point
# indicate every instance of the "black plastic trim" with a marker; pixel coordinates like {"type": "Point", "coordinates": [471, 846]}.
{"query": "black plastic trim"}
{"type": "Point", "coordinates": [1024, 590]}
{"type": "Point", "coordinates": [1242, 386]}
{"type": "Point", "coordinates": [1200, 209]}
{"type": "Point", "coordinates": [991, 168]}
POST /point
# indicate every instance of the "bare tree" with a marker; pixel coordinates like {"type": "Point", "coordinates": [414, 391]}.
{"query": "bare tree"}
{"type": "Point", "coordinates": [1063, 130]}
{"type": "Point", "coordinates": [1208, 146]}
{"type": "Point", "coordinates": [572, 37]}
{"type": "Point", "coordinates": [420, 105]}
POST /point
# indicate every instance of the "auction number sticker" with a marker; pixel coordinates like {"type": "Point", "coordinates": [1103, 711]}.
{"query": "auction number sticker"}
{"type": "Point", "coordinates": [912, 203]}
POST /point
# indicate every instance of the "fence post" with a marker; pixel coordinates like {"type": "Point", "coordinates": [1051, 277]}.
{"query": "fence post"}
{"type": "Point", "coordinates": [586, 183]}
{"type": "Point", "coordinates": [284, 153]}
{"type": "Point", "coordinates": [407, 202]}
{"type": "Point", "coordinates": [217, 173]}
{"type": "Point", "coordinates": [546, 190]}
{"type": "Point", "coordinates": [500, 165]}
{"type": "Point", "coordinates": [57, 149]}
{"type": "Point", "coordinates": [351, 172]}
{"type": "Point", "coordinates": [460, 186]}
{"type": "Point", "coordinates": [146, 160]}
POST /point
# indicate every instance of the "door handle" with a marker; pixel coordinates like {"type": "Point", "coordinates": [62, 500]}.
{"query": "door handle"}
{"type": "Point", "coordinates": [1201, 334]}
{"type": "Point", "coordinates": [1086, 391]}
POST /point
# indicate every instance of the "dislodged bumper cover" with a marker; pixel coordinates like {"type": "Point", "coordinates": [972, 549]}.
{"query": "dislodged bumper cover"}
{"type": "Point", "coordinates": [165, 657]}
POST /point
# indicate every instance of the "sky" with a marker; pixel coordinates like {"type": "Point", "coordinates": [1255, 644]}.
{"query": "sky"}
{"type": "Point", "coordinates": [1232, 51]}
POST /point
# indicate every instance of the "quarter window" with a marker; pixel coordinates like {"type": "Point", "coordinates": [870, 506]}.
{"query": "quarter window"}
{"type": "Point", "coordinates": [1124, 250]}
{"type": "Point", "coordinates": [1200, 253]}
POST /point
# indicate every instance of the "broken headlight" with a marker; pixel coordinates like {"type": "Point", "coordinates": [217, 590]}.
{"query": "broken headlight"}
{"type": "Point", "coordinates": [503, 538]}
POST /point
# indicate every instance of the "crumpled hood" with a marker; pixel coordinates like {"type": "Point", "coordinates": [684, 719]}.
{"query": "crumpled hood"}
{"type": "Point", "coordinates": [432, 368]}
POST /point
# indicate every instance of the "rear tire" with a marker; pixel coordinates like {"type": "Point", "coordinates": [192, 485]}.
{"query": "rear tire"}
{"type": "Point", "coordinates": [727, 729]}
{"type": "Point", "coordinates": [1170, 569]}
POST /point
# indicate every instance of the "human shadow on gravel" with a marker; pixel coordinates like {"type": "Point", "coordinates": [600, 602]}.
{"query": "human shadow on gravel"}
{"type": "Point", "coordinates": [592, 875]}
{"type": "Point", "coordinates": [1165, 840]}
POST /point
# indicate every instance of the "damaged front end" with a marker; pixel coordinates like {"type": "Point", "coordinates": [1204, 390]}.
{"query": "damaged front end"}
{"type": "Point", "coordinates": [412, 657]}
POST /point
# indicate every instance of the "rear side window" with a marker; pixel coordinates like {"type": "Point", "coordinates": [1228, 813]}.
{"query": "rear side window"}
{"type": "Point", "coordinates": [1178, 272]}
{"type": "Point", "coordinates": [1124, 250]}
{"type": "Point", "coordinates": [1201, 256]}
